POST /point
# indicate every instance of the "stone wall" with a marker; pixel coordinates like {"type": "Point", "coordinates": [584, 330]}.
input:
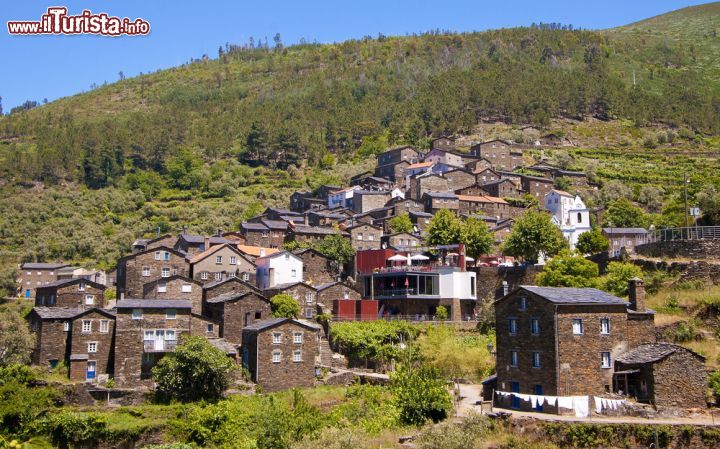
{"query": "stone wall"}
{"type": "Point", "coordinates": [317, 269]}
{"type": "Point", "coordinates": [687, 249]}
{"type": "Point", "coordinates": [51, 342]}
{"type": "Point", "coordinates": [490, 280]}
{"type": "Point", "coordinates": [707, 271]}
{"type": "Point", "coordinates": [130, 272]}
{"type": "Point", "coordinates": [174, 290]}
{"type": "Point", "coordinates": [241, 312]}
{"type": "Point", "coordinates": [104, 341]}
{"type": "Point", "coordinates": [680, 381]}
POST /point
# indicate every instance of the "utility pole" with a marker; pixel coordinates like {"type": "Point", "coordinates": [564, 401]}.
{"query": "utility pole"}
{"type": "Point", "coordinates": [687, 220]}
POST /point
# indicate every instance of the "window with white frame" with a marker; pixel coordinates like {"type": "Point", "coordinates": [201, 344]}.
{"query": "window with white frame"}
{"type": "Point", "coordinates": [137, 314]}
{"type": "Point", "coordinates": [309, 297]}
{"type": "Point", "coordinates": [297, 337]}
{"type": "Point", "coordinates": [246, 277]}
{"type": "Point", "coordinates": [170, 314]}
{"type": "Point", "coordinates": [605, 359]}
{"type": "Point", "coordinates": [104, 326]}
{"type": "Point", "coordinates": [360, 236]}
{"type": "Point", "coordinates": [81, 287]}
{"type": "Point", "coordinates": [149, 335]}
{"type": "Point", "coordinates": [186, 288]}
{"type": "Point", "coordinates": [513, 358]}
{"type": "Point", "coordinates": [92, 346]}
{"type": "Point", "coordinates": [277, 356]}
{"type": "Point", "coordinates": [86, 326]}
{"type": "Point", "coordinates": [218, 259]}
{"type": "Point", "coordinates": [277, 338]}
{"type": "Point", "coordinates": [233, 260]}
{"type": "Point", "coordinates": [157, 255]}
{"type": "Point", "coordinates": [605, 326]}
{"type": "Point", "coordinates": [297, 356]}
{"type": "Point", "coordinates": [512, 326]}
{"type": "Point", "coordinates": [535, 326]}
{"type": "Point", "coordinates": [522, 303]}
{"type": "Point", "coordinates": [536, 359]}
{"type": "Point", "coordinates": [293, 273]}
{"type": "Point", "coordinates": [204, 275]}
{"type": "Point", "coordinates": [162, 287]}
{"type": "Point", "coordinates": [309, 312]}
{"type": "Point", "coordinates": [577, 326]}
{"type": "Point", "coordinates": [218, 276]}
{"type": "Point", "coordinates": [66, 326]}
{"type": "Point", "coordinates": [165, 272]}
{"type": "Point", "coordinates": [169, 334]}
{"type": "Point", "coordinates": [146, 271]}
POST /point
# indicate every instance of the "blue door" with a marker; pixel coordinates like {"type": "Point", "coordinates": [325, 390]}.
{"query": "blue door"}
{"type": "Point", "coordinates": [91, 370]}
{"type": "Point", "coordinates": [538, 392]}
{"type": "Point", "coordinates": [515, 388]}
{"type": "Point", "coordinates": [27, 293]}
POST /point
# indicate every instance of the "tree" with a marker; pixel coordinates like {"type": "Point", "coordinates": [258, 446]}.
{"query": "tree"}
{"type": "Point", "coordinates": [401, 223]}
{"type": "Point", "coordinates": [441, 313]}
{"type": "Point", "coordinates": [420, 394]}
{"type": "Point", "coordinates": [617, 276]}
{"type": "Point", "coordinates": [592, 242]}
{"type": "Point", "coordinates": [477, 237]}
{"type": "Point", "coordinates": [16, 340]}
{"type": "Point", "coordinates": [533, 234]}
{"type": "Point", "coordinates": [195, 370]}
{"type": "Point", "coordinates": [336, 247]}
{"type": "Point", "coordinates": [184, 170]}
{"type": "Point", "coordinates": [622, 213]}
{"type": "Point", "coordinates": [709, 201]}
{"type": "Point", "coordinates": [284, 306]}
{"type": "Point", "coordinates": [569, 269]}
{"type": "Point", "coordinates": [444, 228]}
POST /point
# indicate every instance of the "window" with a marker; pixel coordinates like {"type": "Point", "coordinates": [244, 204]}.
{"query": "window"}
{"type": "Point", "coordinates": [605, 326]}
{"type": "Point", "coordinates": [246, 277]}
{"type": "Point", "coordinates": [157, 255]}
{"type": "Point", "coordinates": [309, 298]}
{"type": "Point", "coordinates": [218, 276]}
{"type": "Point", "coordinates": [146, 271]}
{"type": "Point", "coordinates": [605, 357]}
{"type": "Point", "coordinates": [170, 314]}
{"type": "Point", "coordinates": [535, 326]}
{"type": "Point", "coordinates": [166, 255]}
{"type": "Point", "coordinates": [92, 346]}
{"type": "Point", "coordinates": [346, 294]}
{"type": "Point", "coordinates": [512, 326]}
{"type": "Point", "coordinates": [165, 272]}
{"type": "Point", "coordinates": [577, 326]}
{"type": "Point", "coordinates": [149, 335]}
{"type": "Point", "coordinates": [218, 259]}
{"type": "Point", "coordinates": [258, 315]}
{"type": "Point", "coordinates": [309, 312]}
{"type": "Point", "coordinates": [210, 328]}
{"type": "Point", "coordinates": [276, 356]}
{"type": "Point", "coordinates": [513, 358]}
{"type": "Point", "coordinates": [233, 260]}
{"type": "Point", "coordinates": [162, 287]}
{"type": "Point", "coordinates": [104, 326]}
{"type": "Point", "coordinates": [360, 236]}
{"type": "Point", "coordinates": [66, 326]}
{"type": "Point", "coordinates": [371, 237]}
{"type": "Point", "coordinates": [297, 337]}
{"type": "Point", "coordinates": [86, 326]}
{"type": "Point", "coordinates": [186, 288]}
{"type": "Point", "coordinates": [293, 273]}
{"type": "Point", "coordinates": [170, 334]}
{"type": "Point", "coordinates": [297, 356]}
{"type": "Point", "coordinates": [536, 360]}
{"type": "Point", "coordinates": [81, 287]}
{"type": "Point", "coordinates": [204, 275]}
{"type": "Point", "coordinates": [277, 338]}
{"type": "Point", "coordinates": [579, 217]}
{"type": "Point", "coordinates": [137, 314]}
{"type": "Point", "coordinates": [522, 303]}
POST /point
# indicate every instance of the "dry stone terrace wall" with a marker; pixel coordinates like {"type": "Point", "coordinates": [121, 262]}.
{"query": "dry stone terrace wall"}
{"type": "Point", "coordinates": [687, 249]}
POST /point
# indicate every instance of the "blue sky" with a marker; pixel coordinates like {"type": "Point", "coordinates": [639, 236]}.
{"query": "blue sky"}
{"type": "Point", "coordinates": [38, 67]}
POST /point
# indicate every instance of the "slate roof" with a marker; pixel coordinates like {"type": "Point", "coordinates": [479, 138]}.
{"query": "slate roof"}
{"type": "Point", "coordinates": [49, 313]}
{"type": "Point", "coordinates": [372, 192]}
{"type": "Point", "coordinates": [223, 345]}
{"type": "Point", "coordinates": [201, 239]}
{"type": "Point", "coordinates": [315, 230]}
{"type": "Point", "coordinates": [275, 224]}
{"type": "Point", "coordinates": [579, 296]}
{"type": "Point", "coordinates": [229, 296]}
{"type": "Point", "coordinates": [450, 195]}
{"type": "Point", "coordinates": [61, 282]}
{"type": "Point", "coordinates": [651, 353]}
{"type": "Point", "coordinates": [43, 266]}
{"type": "Point", "coordinates": [254, 226]}
{"type": "Point", "coordinates": [213, 284]}
{"type": "Point", "coordinates": [259, 326]}
{"type": "Point", "coordinates": [625, 230]}
{"type": "Point", "coordinates": [79, 357]}
{"type": "Point", "coordinates": [153, 304]}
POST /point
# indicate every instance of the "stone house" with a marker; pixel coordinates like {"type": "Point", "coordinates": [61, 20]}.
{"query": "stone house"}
{"type": "Point", "coordinates": [367, 200]}
{"type": "Point", "coordinates": [478, 164]}
{"type": "Point", "coordinates": [459, 178]}
{"type": "Point", "coordinates": [563, 341]}
{"type": "Point", "coordinates": [236, 310]}
{"type": "Point", "coordinates": [434, 201]}
{"type": "Point", "coordinates": [342, 198]}
{"type": "Point", "coordinates": [663, 374]}
{"type": "Point", "coordinates": [365, 236]}
{"type": "Point", "coordinates": [327, 217]}
{"type": "Point", "coordinates": [220, 262]}
{"type": "Point", "coordinates": [536, 186]}
{"type": "Point", "coordinates": [486, 175]}
{"type": "Point", "coordinates": [500, 153]}
{"type": "Point", "coordinates": [297, 200]}
{"type": "Point", "coordinates": [443, 143]}
{"type": "Point", "coordinates": [310, 234]}
{"type": "Point", "coordinates": [281, 353]}
{"type": "Point", "coordinates": [327, 293]}
{"type": "Point", "coordinates": [484, 205]}
{"type": "Point", "coordinates": [77, 293]}
{"type": "Point", "coordinates": [176, 287]}
{"type": "Point", "coordinates": [234, 285]}
{"type": "Point", "coordinates": [504, 188]}
{"type": "Point", "coordinates": [473, 190]}
{"type": "Point", "coordinates": [257, 234]}
{"type": "Point", "coordinates": [34, 275]}
{"type": "Point", "coordinates": [195, 244]}
{"type": "Point", "coordinates": [420, 221]}
{"type": "Point", "coordinates": [135, 270]}
{"type": "Point", "coordinates": [279, 268]}
{"type": "Point", "coordinates": [51, 326]}
{"type": "Point", "coordinates": [91, 345]}
{"type": "Point", "coordinates": [304, 294]}
{"type": "Point", "coordinates": [145, 330]}
{"type": "Point", "coordinates": [625, 238]}
{"type": "Point", "coordinates": [374, 183]}
{"type": "Point", "coordinates": [143, 244]}
{"type": "Point", "coordinates": [402, 205]}
{"type": "Point", "coordinates": [401, 241]}
{"type": "Point", "coordinates": [317, 267]}
{"type": "Point", "coordinates": [425, 183]}
{"type": "Point", "coordinates": [391, 164]}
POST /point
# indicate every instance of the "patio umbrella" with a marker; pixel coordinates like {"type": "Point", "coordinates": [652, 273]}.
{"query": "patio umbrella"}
{"type": "Point", "coordinates": [419, 257]}
{"type": "Point", "coordinates": [469, 259]}
{"type": "Point", "coordinates": [397, 258]}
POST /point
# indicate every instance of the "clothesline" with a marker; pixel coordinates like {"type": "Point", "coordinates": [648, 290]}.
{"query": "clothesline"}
{"type": "Point", "coordinates": [580, 404]}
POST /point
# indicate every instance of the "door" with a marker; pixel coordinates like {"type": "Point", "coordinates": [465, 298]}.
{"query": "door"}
{"type": "Point", "coordinates": [90, 375]}
{"type": "Point", "coordinates": [27, 293]}
{"type": "Point", "coordinates": [159, 340]}
{"type": "Point", "coordinates": [538, 392]}
{"type": "Point", "coordinates": [515, 388]}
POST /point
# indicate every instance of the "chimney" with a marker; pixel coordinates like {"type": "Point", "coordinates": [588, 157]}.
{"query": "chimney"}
{"type": "Point", "coordinates": [262, 252]}
{"type": "Point", "coordinates": [636, 293]}
{"type": "Point", "coordinates": [185, 229]}
{"type": "Point", "coordinates": [506, 288]}
{"type": "Point", "coordinates": [207, 242]}
{"type": "Point", "coordinates": [219, 232]}
{"type": "Point", "coordinates": [306, 220]}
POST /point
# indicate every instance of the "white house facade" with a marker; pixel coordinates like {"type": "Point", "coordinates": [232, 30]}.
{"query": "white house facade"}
{"type": "Point", "coordinates": [277, 269]}
{"type": "Point", "coordinates": [569, 213]}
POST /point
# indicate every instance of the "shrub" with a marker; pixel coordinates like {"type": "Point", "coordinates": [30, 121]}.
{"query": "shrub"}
{"type": "Point", "coordinates": [569, 270]}
{"type": "Point", "coordinates": [420, 394]}
{"type": "Point", "coordinates": [617, 276]}
{"type": "Point", "coordinates": [441, 313]}
{"type": "Point", "coordinates": [284, 306]}
{"type": "Point", "coordinates": [685, 332]}
{"type": "Point", "coordinates": [75, 429]}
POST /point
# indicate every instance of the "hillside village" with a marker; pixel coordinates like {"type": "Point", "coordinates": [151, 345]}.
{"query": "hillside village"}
{"type": "Point", "coordinates": [221, 287]}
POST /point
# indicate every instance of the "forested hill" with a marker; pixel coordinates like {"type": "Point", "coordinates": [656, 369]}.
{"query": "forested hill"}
{"type": "Point", "coordinates": [282, 106]}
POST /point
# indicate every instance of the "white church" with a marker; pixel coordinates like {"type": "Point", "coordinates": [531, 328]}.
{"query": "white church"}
{"type": "Point", "coordinates": [569, 214]}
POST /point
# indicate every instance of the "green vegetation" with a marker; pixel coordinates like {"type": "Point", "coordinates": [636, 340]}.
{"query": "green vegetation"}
{"type": "Point", "coordinates": [456, 355]}
{"type": "Point", "coordinates": [534, 234]}
{"type": "Point", "coordinates": [477, 237]}
{"type": "Point", "coordinates": [195, 370]}
{"type": "Point", "coordinates": [16, 340]}
{"type": "Point", "coordinates": [284, 306]}
{"type": "Point", "coordinates": [444, 228]}
{"type": "Point", "coordinates": [592, 242]}
{"type": "Point", "coordinates": [569, 269]}
{"type": "Point", "coordinates": [617, 276]}
{"type": "Point", "coordinates": [377, 341]}
{"type": "Point", "coordinates": [401, 223]}
{"type": "Point", "coordinates": [420, 394]}
{"type": "Point", "coordinates": [337, 248]}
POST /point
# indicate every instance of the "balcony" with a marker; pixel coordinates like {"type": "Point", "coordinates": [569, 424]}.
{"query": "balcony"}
{"type": "Point", "coordinates": [159, 345]}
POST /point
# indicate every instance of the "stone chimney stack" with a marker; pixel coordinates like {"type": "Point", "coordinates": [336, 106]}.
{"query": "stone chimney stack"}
{"type": "Point", "coordinates": [185, 230]}
{"type": "Point", "coordinates": [207, 242]}
{"type": "Point", "coordinates": [636, 293]}
{"type": "Point", "coordinates": [306, 220]}
{"type": "Point", "coordinates": [219, 232]}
